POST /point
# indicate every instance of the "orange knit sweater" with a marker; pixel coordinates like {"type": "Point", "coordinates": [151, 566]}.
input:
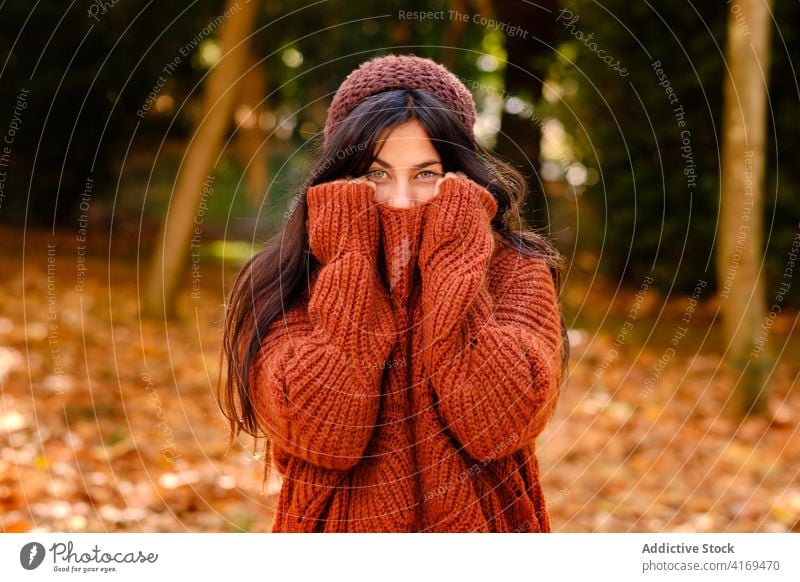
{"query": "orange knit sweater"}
{"type": "Point", "coordinates": [405, 391]}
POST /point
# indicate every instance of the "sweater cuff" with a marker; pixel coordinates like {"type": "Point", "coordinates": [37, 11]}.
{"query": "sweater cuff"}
{"type": "Point", "coordinates": [342, 218]}
{"type": "Point", "coordinates": [459, 195]}
{"type": "Point", "coordinates": [458, 226]}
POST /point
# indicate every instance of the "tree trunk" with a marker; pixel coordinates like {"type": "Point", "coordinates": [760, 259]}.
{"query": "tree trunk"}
{"type": "Point", "coordinates": [250, 137]}
{"type": "Point", "coordinates": [740, 237]}
{"type": "Point", "coordinates": [179, 226]}
{"type": "Point", "coordinates": [525, 70]}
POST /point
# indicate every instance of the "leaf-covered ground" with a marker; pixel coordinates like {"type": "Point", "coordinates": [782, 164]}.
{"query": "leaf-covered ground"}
{"type": "Point", "coordinates": [108, 422]}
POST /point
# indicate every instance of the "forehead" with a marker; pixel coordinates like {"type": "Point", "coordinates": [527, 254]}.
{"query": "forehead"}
{"type": "Point", "coordinates": [405, 144]}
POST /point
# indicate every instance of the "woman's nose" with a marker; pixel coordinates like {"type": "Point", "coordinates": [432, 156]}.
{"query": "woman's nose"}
{"type": "Point", "coordinates": [400, 194]}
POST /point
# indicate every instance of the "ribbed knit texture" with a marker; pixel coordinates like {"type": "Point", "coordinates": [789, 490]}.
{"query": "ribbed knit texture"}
{"type": "Point", "coordinates": [406, 393]}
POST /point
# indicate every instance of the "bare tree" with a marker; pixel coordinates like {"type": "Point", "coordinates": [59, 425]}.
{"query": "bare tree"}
{"type": "Point", "coordinates": [220, 94]}
{"type": "Point", "coordinates": [250, 136]}
{"type": "Point", "coordinates": [740, 238]}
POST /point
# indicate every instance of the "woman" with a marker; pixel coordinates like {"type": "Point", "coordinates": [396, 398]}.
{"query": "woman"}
{"type": "Point", "coordinates": [400, 341]}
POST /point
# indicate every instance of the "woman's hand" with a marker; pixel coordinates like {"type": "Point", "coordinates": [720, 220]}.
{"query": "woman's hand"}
{"type": "Point", "coordinates": [458, 220]}
{"type": "Point", "coordinates": [460, 182]}
{"type": "Point", "coordinates": [445, 177]}
{"type": "Point", "coordinates": [342, 218]}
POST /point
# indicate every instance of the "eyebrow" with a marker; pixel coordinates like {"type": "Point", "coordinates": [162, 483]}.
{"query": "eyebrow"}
{"type": "Point", "coordinates": [420, 165]}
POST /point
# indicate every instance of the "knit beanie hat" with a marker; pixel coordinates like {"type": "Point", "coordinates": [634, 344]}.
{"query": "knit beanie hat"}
{"type": "Point", "coordinates": [400, 72]}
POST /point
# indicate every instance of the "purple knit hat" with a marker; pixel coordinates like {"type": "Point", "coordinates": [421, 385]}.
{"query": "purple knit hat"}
{"type": "Point", "coordinates": [400, 72]}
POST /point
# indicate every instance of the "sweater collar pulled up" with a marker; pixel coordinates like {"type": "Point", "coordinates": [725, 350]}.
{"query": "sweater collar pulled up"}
{"type": "Point", "coordinates": [401, 236]}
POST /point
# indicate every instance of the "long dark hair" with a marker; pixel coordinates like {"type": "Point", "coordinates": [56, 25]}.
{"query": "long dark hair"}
{"type": "Point", "coordinates": [274, 278]}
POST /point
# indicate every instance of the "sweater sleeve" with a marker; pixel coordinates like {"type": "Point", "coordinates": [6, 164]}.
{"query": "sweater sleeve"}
{"type": "Point", "coordinates": [315, 381]}
{"type": "Point", "coordinates": [495, 362]}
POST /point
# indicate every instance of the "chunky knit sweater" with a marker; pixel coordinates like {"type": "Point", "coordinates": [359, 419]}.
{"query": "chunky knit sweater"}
{"type": "Point", "coordinates": [405, 391]}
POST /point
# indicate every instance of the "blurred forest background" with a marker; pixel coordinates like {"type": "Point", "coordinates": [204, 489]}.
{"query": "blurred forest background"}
{"type": "Point", "coordinates": [146, 155]}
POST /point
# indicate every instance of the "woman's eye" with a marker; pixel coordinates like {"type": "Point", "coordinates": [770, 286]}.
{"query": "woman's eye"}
{"type": "Point", "coordinates": [373, 172]}
{"type": "Point", "coordinates": [429, 173]}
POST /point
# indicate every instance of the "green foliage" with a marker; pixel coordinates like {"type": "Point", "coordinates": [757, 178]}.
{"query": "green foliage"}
{"type": "Point", "coordinates": [90, 79]}
{"type": "Point", "coordinates": [656, 217]}
{"type": "Point", "coordinates": [86, 78]}
{"type": "Point", "coordinates": [782, 212]}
